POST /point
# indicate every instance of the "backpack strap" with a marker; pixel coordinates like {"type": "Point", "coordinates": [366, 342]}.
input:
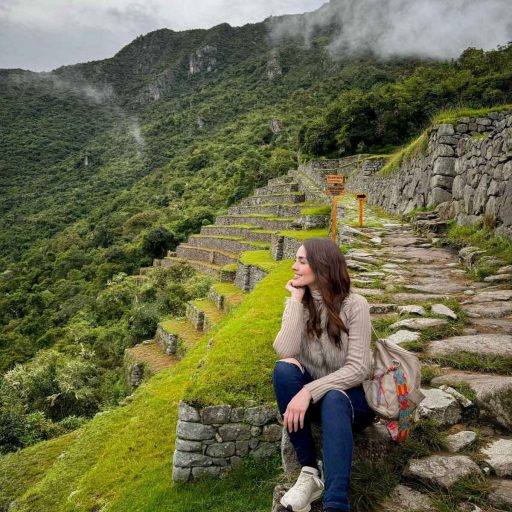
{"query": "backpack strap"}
{"type": "Point", "coordinates": [404, 416]}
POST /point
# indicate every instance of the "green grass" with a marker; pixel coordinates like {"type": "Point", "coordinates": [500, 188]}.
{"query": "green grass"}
{"type": "Point", "coordinates": [214, 314]}
{"type": "Point", "coordinates": [478, 362]}
{"type": "Point", "coordinates": [451, 116]}
{"type": "Point", "coordinates": [260, 259]}
{"type": "Point", "coordinates": [317, 210]}
{"type": "Point", "coordinates": [184, 329]}
{"type": "Point", "coordinates": [306, 233]}
{"type": "Point", "coordinates": [230, 267]}
{"type": "Point", "coordinates": [417, 147]}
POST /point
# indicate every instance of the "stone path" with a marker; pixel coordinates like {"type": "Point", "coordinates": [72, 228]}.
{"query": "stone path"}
{"type": "Point", "coordinates": [420, 295]}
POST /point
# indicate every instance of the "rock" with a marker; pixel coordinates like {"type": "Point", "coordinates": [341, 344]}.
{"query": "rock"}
{"type": "Point", "coordinates": [202, 472]}
{"type": "Point", "coordinates": [190, 459]}
{"type": "Point", "coordinates": [468, 507]}
{"type": "Point", "coordinates": [492, 295]}
{"type": "Point", "coordinates": [501, 495]}
{"type": "Point", "coordinates": [261, 415]}
{"type": "Point", "coordinates": [180, 475]}
{"type": "Point", "coordinates": [498, 278]}
{"type": "Point", "coordinates": [272, 433]}
{"type": "Point", "coordinates": [404, 297]}
{"type": "Point", "coordinates": [402, 241]}
{"type": "Point", "coordinates": [460, 440]}
{"type": "Point", "coordinates": [188, 446]}
{"type": "Point", "coordinates": [216, 414]}
{"type": "Point", "coordinates": [440, 406]}
{"type": "Point", "coordinates": [488, 309]}
{"type": "Point", "coordinates": [242, 448]}
{"type": "Point", "coordinates": [465, 402]}
{"type": "Point", "coordinates": [493, 394]}
{"type": "Point", "coordinates": [235, 432]}
{"type": "Point", "coordinates": [403, 336]}
{"type": "Point", "coordinates": [237, 415]}
{"type": "Point", "coordinates": [505, 270]}
{"type": "Point", "coordinates": [483, 344]}
{"type": "Point", "coordinates": [499, 456]}
{"type": "Point", "coordinates": [264, 450]}
{"type": "Point", "coordinates": [469, 255]}
{"type": "Point", "coordinates": [378, 309]}
{"type": "Point", "coordinates": [439, 286]}
{"type": "Point", "coordinates": [403, 498]}
{"type": "Point", "coordinates": [412, 309]}
{"type": "Point", "coordinates": [441, 309]}
{"type": "Point", "coordinates": [187, 413]}
{"type": "Point", "coordinates": [445, 129]}
{"type": "Point", "coordinates": [418, 323]}
{"type": "Point", "coordinates": [221, 449]}
{"type": "Point", "coordinates": [440, 470]}
{"type": "Point", "coordinates": [194, 431]}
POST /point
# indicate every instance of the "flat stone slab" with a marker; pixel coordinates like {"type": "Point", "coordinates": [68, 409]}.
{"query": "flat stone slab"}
{"type": "Point", "coordinates": [499, 456]}
{"type": "Point", "coordinates": [406, 297]}
{"type": "Point", "coordinates": [438, 287]}
{"type": "Point", "coordinates": [493, 393]}
{"type": "Point", "coordinates": [460, 440]}
{"type": "Point", "coordinates": [501, 496]}
{"type": "Point", "coordinates": [440, 470]}
{"type": "Point", "coordinates": [424, 255]}
{"type": "Point", "coordinates": [412, 309]}
{"type": "Point", "coordinates": [402, 241]}
{"type": "Point", "coordinates": [403, 498]}
{"type": "Point", "coordinates": [495, 324]}
{"type": "Point", "coordinates": [499, 278]}
{"type": "Point", "coordinates": [483, 344]}
{"type": "Point", "coordinates": [403, 336]}
{"type": "Point", "coordinates": [488, 309]}
{"type": "Point", "coordinates": [440, 406]}
{"type": "Point", "coordinates": [419, 323]}
{"type": "Point", "coordinates": [368, 292]}
{"type": "Point", "coordinates": [441, 309]}
{"type": "Point", "coordinates": [492, 295]}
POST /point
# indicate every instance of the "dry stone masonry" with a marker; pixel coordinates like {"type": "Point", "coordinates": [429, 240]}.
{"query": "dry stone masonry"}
{"type": "Point", "coordinates": [466, 168]}
{"type": "Point", "coordinates": [212, 440]}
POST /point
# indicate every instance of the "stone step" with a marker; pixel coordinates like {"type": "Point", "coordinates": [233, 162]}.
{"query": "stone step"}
{"type": "Point", "coordinates": [249, 233]}
{"type": "Point", "coordinates": [223, 242]}
{"type": "Point", "coordinates": [277, 210]}
{"type": "Point", "coordinates": [292, 197]}
{"type": "Point", "coordinates": [277, 189]}
{"type": "Point", "coordinates": [176, 336]}
{"type": "Point", "coordinates": [145, 359]}
{"type": "Point", "coordinates": [225, 296]}
{"type": "Point", "coordinates": [214, 256]}
{"type": "Point", "coordinates": [215, 271]}
{"type": "Point", "coordinates": [263, 221]}
{"type": "Point", "coordinates": [280, 180]}
{"type": "Point", "coordinates": [493, 393]}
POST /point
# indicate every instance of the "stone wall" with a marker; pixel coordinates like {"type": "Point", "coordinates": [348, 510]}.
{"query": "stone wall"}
{"type": "Point", "coordinates": [248, 276]}
{"type": "Point", "coordinates": [467, 166]}
{"type": "Point", "coordinates": [212, 440]}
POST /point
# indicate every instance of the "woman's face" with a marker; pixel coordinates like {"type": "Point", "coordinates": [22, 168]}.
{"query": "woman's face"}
{"type": "Point", "coordinates": [304, 275]}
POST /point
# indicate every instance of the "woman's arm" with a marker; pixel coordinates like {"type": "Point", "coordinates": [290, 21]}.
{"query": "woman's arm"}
{"type": "Point", "coordinates": [288, 339]}
{"type": "Point", "coordinates": [358, 360]}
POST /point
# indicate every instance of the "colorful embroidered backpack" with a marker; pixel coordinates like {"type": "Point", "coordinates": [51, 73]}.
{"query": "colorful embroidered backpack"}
{"type": "Point", "coordinates": [393, 390]}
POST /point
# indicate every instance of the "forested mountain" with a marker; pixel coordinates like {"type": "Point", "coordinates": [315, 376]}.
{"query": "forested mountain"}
{"type": "Point", "coordinates": [107, 164]}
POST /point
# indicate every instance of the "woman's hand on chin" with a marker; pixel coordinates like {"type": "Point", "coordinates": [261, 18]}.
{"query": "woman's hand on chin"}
{"type": "Point", "coordinates": [297, 292]}
{"type": "Point", "coordinates": [293, 417]}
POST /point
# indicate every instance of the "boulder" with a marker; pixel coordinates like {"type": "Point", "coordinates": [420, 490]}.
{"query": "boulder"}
{"type": "Point", "coordinates": [499, 456]}
{"type": "Point", "coordinates": [440, 406]}
{"type": "Point", "coordinates": [187, 413]}
{"type": "Point", "coordinates": [441, 470]}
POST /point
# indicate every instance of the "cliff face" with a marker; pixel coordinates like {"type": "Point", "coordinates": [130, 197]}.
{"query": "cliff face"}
{"type": "Point", "coordinates": [467, 167]}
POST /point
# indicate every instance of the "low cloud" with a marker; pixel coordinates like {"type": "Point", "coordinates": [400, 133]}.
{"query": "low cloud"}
{"type": "Point", "coordinates": [433, 28]}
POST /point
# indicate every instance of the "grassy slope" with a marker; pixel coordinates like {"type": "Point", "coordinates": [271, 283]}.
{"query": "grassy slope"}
{"type": "Point", "coordinates": [123, 458]}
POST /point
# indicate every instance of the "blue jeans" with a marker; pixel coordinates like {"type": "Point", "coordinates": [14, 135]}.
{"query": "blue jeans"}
{"type": "Point", "coordinates": [339, 416]}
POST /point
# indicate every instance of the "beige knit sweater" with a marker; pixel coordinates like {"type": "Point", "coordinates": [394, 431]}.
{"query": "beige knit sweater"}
{"type": "Point", "coordinates": [331, 367]}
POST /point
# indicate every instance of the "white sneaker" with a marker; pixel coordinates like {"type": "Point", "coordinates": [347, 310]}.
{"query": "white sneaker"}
{"type": "Point", "coordinates": [308, 488]}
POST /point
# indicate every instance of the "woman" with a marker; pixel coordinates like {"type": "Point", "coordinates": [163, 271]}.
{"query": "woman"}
{"type": "Point", "coordinates": [325, 345]}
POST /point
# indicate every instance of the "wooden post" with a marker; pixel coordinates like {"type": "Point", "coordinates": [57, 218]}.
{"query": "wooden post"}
{"type": "Point", "coordinates": [361, 198]}
{"type": "Point", "coordinates": [335, 188]}
{"type": "Point", "coordinates": [334, 217]}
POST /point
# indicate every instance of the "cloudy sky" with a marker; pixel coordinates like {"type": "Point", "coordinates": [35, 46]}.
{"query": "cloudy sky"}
{"type": "Point", "coordinates": [43, 34]}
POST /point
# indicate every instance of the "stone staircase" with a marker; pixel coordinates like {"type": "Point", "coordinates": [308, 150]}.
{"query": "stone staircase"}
{"type": "Point", "coordinates": [215, 251]}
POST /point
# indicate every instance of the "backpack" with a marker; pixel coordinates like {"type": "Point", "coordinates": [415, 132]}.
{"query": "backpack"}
{"type": "Point", "coordinates": [393, 389]}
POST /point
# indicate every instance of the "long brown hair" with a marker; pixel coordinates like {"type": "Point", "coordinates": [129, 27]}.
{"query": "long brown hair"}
{"type": "Point", "coordinates": [332, 279]}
